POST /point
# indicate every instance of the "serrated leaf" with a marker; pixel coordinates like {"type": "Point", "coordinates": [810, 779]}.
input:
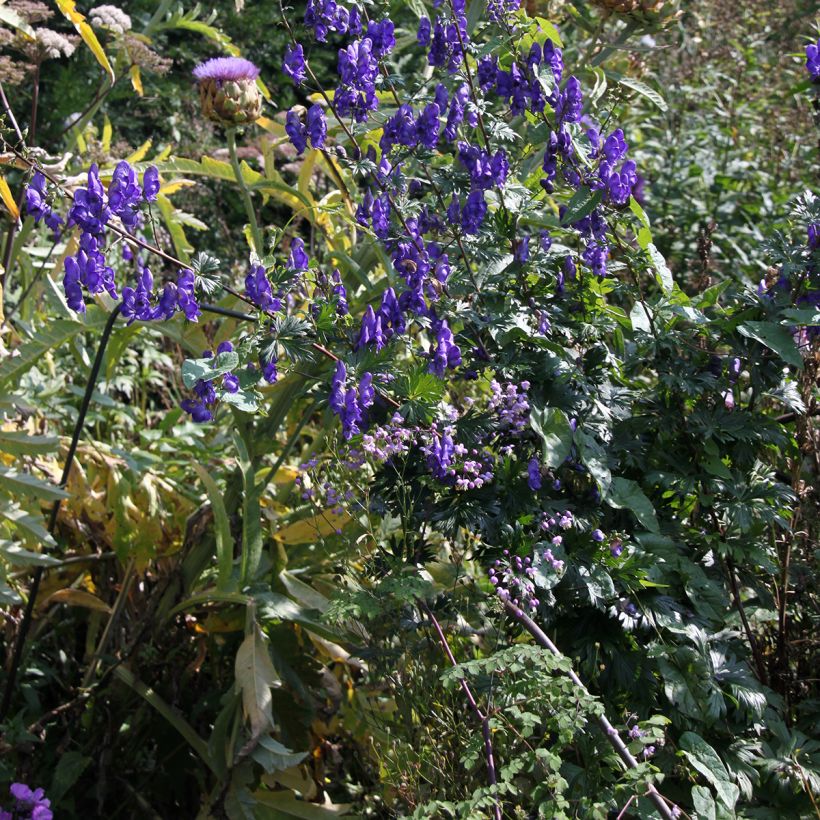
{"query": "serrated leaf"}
{"type": "Point", "coordinates": [21, 557]}
{"type": "Point", "coordinates": [255, 676]}
{"type": "Point", "coordinates": [25, 484]}
{"type": "Point", "coordinates": [21, 443]}
{"type": "Point", "coordinates": [206, 369]}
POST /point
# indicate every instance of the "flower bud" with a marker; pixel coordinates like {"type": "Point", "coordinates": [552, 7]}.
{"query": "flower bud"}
{"type": "Point", "coordinates": [228, 90]}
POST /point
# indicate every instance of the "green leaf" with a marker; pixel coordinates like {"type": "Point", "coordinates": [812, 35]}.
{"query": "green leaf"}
{"type": "Point", "coordinates": [172, 716]}
{"type": "Point", "coordinates": [594, 457]}
{"type": "Point", "coordinates": [636, 209]}
{"type": "Point", "coordinates": [29, 485]}
{"type": "Point", "coordinates": [663, 274]}
{"type": "Point", "coordinates": [776, 338]}
{"type": "Point", "coordinates": [255, 676]}
{"type": "Point", "coordinates": [20, 557]}
{"type": "Point", "coordinates": [549, 30]}
{"type": "Point", "coordinates": [639, 316]}
{"type": "Point", "coordinates": [52, 335]}
{"type": "Point", "coordinates": [287, 805]}
{"type": "Point", "coordinates": [552, 425]}
{"type": "Point", "coordinates": [626, 494]}
{"type": "Point", "coordinates": [582, 204]}
{"type": "Point", "coordinates": [21, 443]}
{"type": "Point", "coordinates": [69, 769]}
{"type": "Point", "coordinates": [275, 607]}
{"type": "Point", "coordinates": [251, 514]}
{"type": "Point", "coordinates": [29, 525]}
{"type": "Point", "coordinates": [706, 760]}
{"type": "Point", "coordinates": [206, 369]}
{"type": "Point", "coordinates": [644, 90]}
{"type": "Point", "coordinates": [272, 756]}
{"type": "Point", "coordinates": [222, 529]}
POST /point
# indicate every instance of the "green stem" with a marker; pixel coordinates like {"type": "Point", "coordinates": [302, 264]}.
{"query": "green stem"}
{"type": "Point", "coordinates": [258, 244]}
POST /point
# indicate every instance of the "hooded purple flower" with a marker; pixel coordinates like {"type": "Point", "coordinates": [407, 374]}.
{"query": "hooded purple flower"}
{"type": "Point", "coordinates": [534, 474]}
{"type": "Point", "coordinates": [474, 211]}
{"type": "Point", "coordinates": [298, 259]}
{"type": "Point", "coordinates": [293, 64]}
{"type": "Point", "coordinates": [316, 126]}
{"type": "Point", "coordinates": [813, 60]}
{"type": "Point", "coordinates": [446, 352]}
{"type": "Point", "coordinates": [296, 130]}
{"type": "Point", "coordinates": [150, 184]}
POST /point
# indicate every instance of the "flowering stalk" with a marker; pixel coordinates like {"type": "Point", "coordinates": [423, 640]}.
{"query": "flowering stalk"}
{"type": "Point", "coordinates": [52, 522]}
{"type": "Point", "coordinates": [256, 234]}
{"type": "Point", "coordinates": [610, 731]}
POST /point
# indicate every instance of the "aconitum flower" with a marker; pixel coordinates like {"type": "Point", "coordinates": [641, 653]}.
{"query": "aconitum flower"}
{"type": "Point", "coordinates": [521, 249]}
{"type": "Point", "coordinates": [258, 289]}
{"type": "Point", "coordinates": [381, 216]}
{"type": "Point", "coordinates": [296, 130]}
{"type": "Point", "coordinates": [598, 536]}
{"type": "Point", "coordinates": [382, 36]}
{"type": "Point", "coordinates": [424, 31]}
{"type": "Point", "coordinates": [371, 332]}
{"type": "Point", "coordinates": [293, 65]}
{"type": "Point", "coordinates": [427, 127]}
{"type": "Point", "coordinates": [30, 803]}
{"type": "Point", "coordinates": [474, 211]}
{"type": "Point", "coordinates": [446, 353]}
{"type": "Point", "coordinates": [228, 91]}
{"type": "Point", "coordinates": [813, 60]}
{"type": "Point", "coordinates": [595, 255]}
{"type": "Point", "coordinates": [569, 103]}
{"type": "Point", "coordinates": [298, 259]}
{"type": "Point", "coordinates": [534, 474]}
{"type": "Point", "coordinates": [316, 126]}
{"type": "Point", "coordinates": [150, 184]}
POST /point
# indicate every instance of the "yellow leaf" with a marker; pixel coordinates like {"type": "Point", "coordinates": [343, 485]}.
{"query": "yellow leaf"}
{"type": "Point", "coordinates": [136, 80]}
{"type": "Point", "coordinates": [140, 153]}
{"type": "Point", "coordinates": [8, 199]}
{"type": "Point", "coordinates": [107, 133]}
{"type": "Point", "coordinates": [309, 529]}
{"type": "Point", "coordinates": [172, 187]}
{"type": "Point", "coordinates": [69, 10]}
{"type": "Point", "coordinates": [77, 597]}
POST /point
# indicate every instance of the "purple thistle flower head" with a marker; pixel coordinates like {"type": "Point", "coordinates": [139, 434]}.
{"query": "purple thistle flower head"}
{"type": "Point", "coordinates": [226, 69]}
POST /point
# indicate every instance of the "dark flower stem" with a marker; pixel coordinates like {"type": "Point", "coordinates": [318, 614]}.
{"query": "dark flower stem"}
{"type": "Point", "coordinates": [610, 731]}
{"type": "Point", "coordinates": [485, 722]}
{"type": "Point", "coordinates": [25, 625]}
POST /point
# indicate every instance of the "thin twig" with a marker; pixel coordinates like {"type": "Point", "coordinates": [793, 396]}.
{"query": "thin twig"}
{"type": "Point", "coordinates": [485, 722]}
{"type": "Point", "coordinates": [610, 731]}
